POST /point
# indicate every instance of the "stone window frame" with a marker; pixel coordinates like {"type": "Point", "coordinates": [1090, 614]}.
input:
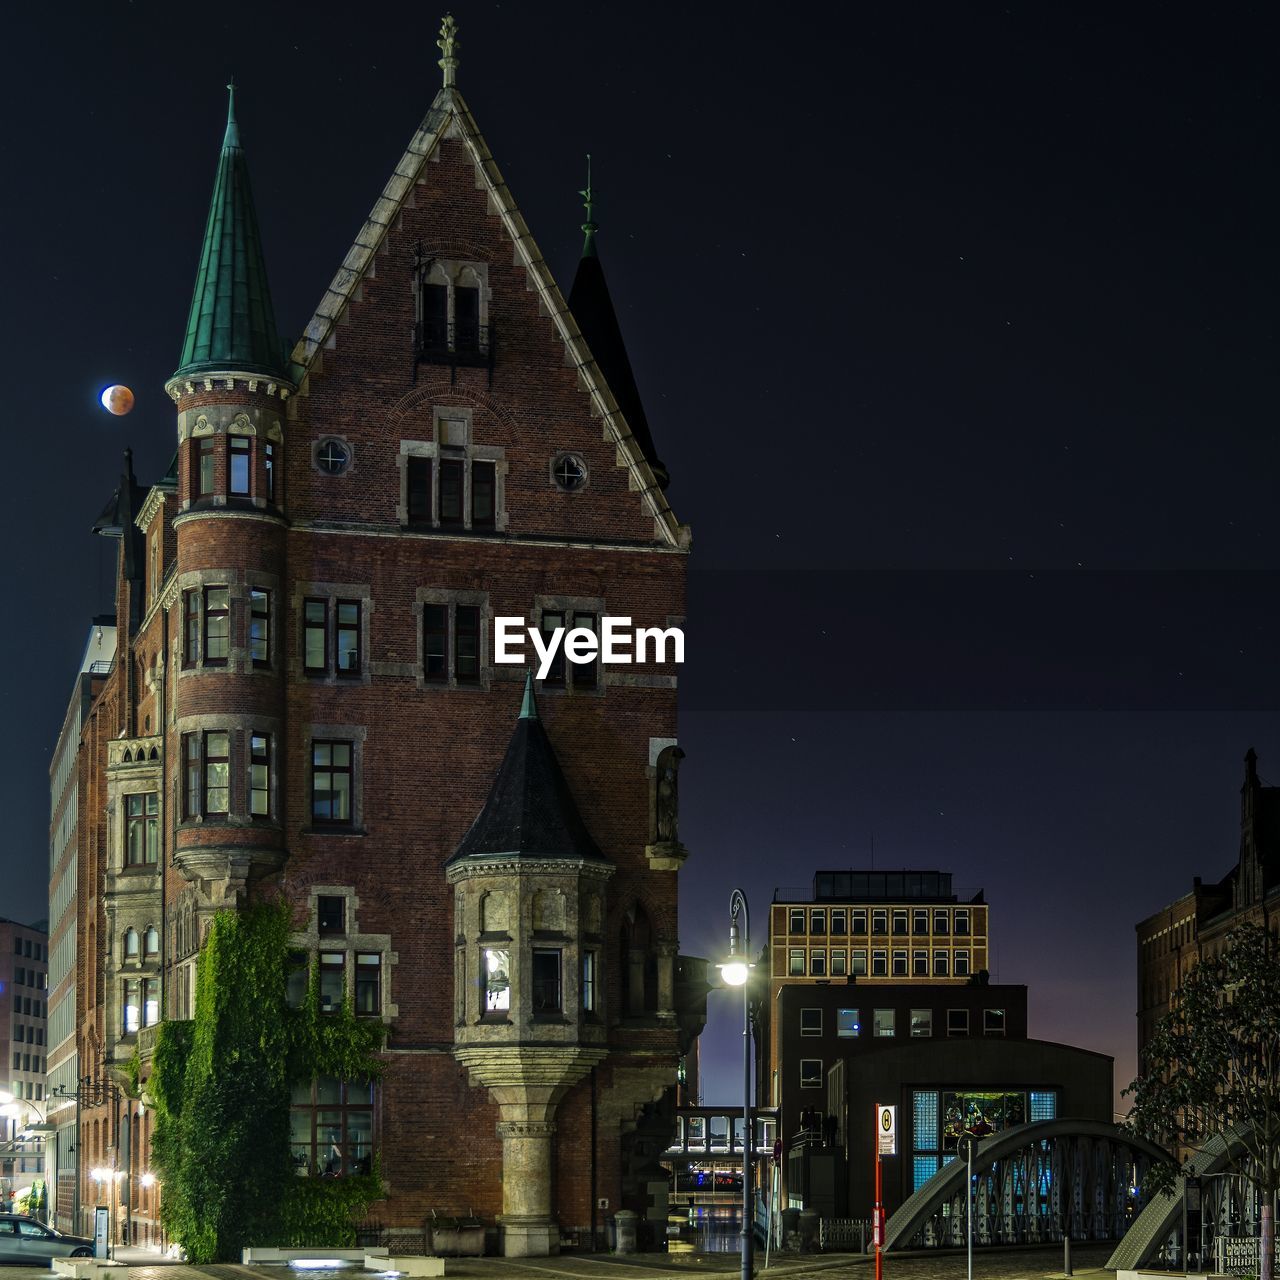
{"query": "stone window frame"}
{"type": "Point", "coordinates": [338, 438]}
{"type": "Point", "coordinates": [356, 734]}
{"type": "Point", "coordinates": [450, 600]}
{"type": "Point", "coordinates": [557, 458]}
{"type": "Point", "coordinates": [449, 272]}
{"type": "Point", "coordinates": [239, 656]}
{"type": "Point", "coordinates": [211, 422]}
{"type": "Point", "coordinates": [272, 817]}
{"type": "Point", "coordinates": [332, 592]}
{"type": "Point", "coordinates": [239, 728]}
{"type": "Point", "coordinates": [569, 605]}
{"type": "Point", "coordinates": [467, 454]}
{"type": "Point", "coordinates": [311, 941]}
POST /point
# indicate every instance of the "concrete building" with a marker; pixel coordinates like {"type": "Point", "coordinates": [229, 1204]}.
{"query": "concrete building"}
{"type": "Point", "coordinates": [306, 704]}
{"type": "Point", "coordinates": [24, 995]}
{"type": "Point", "coordinates": [63, 1067]}
{"type": "Point", "coordinates": [879, 993]}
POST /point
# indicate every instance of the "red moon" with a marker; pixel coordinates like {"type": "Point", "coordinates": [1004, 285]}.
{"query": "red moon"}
{"type": "Point", "coordinates": [117, 400]}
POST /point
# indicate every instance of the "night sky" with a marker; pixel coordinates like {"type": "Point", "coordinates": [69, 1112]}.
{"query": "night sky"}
{"type": "Point", "coordinates": [956, 326]}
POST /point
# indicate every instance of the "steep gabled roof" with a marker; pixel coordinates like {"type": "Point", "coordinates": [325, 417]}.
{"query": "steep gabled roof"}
{"type": "Point", "coordinates": [232, 324]}
{"type": "Point", "coordinates": [530, 812]}
{"type": "Point", "coordinates": [449, 117]}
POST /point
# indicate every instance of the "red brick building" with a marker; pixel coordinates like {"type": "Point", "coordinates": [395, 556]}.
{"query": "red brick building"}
{"type": "Point", "coordinates": [305, 702]}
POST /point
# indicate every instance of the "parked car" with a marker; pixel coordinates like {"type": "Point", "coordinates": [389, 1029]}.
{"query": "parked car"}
{"type": "Point", "coordinates": [28, 1240]}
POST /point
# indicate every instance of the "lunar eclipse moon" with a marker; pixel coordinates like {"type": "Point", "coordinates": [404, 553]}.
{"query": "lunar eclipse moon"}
{"type": "Point", "coordinates": [117, 400]}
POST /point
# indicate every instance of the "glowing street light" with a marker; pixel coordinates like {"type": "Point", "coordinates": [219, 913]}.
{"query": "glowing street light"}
{"type": "Point", "coordinates": [735, 971]}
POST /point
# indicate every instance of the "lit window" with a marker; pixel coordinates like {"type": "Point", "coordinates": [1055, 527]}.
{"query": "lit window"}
{"type": "Point", "coordinates": [217, 772]}
{"type": "Point", "coordinates": [260, 627]}
{"type": "Point", "coordinates": [884, 1022]}
{"type": "Point", "coordinates": [331, 1128]}
{"type": "Point", "coordinates": [132, 1008]}
{"type": "Point", "coordinates": [497, 979]}
{"type": "Point", "coordinates": [259, 775]}
{"type": "Point", "coordinates": [811, 1073]}
{"type": "Point", "coordinates": [847, 1024]}
{"type": "Point", "coordinates": [331, 783]}
{"type": "Point", "coordinates": [239, 454]}
{"type": "Point", "coordinates": [142, 829]}
{"type": "Point", "coordinates": [858, 962]}
{"type": "Point", "coordinates": [795, 963]}
{"type": "Point", "coordinates": [810, 1022]}
{"type": "Point", "coordinates": [150, 1001]}
{"type": "Point", "coordinates": [839, 963]}
{"type": "Point", "coordinates": [131, 944]}
{"type": "Point", "coordinates": [921, 1022]}
{"type": "Point", "coordinates": [217, 625]}
{"type": "Point", "coordinates": [368, 984]}
{"type": "Point", "coordinates": [333, 981]}
{"type": "Point", "coordinates": [589, 982]}
{"type": "Point", "coordinates": [151, 941]}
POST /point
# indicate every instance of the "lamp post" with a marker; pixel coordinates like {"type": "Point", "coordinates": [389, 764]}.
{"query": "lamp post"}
{"type": "Point", "coordinates": [735, 971]}
{"type": "Point", "coordinates": [970, 1137]}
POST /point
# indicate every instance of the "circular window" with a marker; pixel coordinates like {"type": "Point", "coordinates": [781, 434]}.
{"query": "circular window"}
{"type": "Point", "coordinates": [569, 472]}
{"type": "Point", "coordinates": [333, 457]}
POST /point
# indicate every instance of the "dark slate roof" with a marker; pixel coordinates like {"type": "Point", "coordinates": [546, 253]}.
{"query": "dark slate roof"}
{"type": "Point", "coordinates": [232, 325]}
{"type": "Point", "coordinates": [530, 812]}
{"type": "Point", "coordinates": [592, 308]}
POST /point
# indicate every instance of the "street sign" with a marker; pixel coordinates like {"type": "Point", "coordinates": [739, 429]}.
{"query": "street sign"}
{"type": "Point", "coordinates": [886, 1130]}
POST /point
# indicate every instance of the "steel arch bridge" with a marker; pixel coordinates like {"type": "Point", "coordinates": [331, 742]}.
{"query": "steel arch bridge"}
{"type": "Point", "coordinates": [1030, 1180]}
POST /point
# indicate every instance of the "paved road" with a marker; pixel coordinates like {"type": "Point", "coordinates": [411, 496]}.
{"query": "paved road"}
{"type": "Point", "coordinates": [1012, 1264]}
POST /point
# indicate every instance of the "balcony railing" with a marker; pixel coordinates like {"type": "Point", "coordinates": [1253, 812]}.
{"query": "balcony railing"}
{"type": "Point", "coordinates": [465, 345]}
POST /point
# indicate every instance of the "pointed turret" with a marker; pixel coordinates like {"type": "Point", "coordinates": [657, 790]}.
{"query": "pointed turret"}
{"type": "Point", "coordinates": [530, 812]}
{"type": "Point", "coordinates": [232, 325]}
{"type": "Point", "coordinates": [592, 308]}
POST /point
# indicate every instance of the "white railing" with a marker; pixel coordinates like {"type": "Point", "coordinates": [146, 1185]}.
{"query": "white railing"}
{"type": "Point", "coordinates": [1238, 1255]}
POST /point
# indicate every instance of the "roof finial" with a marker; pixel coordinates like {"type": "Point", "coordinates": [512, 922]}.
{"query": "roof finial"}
{"type": "Point", "coordinates": [232, 136]}
{"type": "Point", "coordinates": [589, 227]}
{"type": "Point", "coordinates": [449, 44]}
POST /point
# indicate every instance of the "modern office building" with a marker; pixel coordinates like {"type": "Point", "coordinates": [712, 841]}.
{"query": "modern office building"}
{"type": "Point", "coordinates": [879, 992]}
{"type": "Point", "coordinates": [24, 995]}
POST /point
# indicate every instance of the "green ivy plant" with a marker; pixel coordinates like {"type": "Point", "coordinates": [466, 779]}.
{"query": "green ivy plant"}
{"type": "Point", "coordinates": [221, 1087]}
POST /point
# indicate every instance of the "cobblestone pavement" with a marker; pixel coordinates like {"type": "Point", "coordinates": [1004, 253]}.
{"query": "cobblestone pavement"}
{"type": "Point", "coordinates": [1010, 1264]}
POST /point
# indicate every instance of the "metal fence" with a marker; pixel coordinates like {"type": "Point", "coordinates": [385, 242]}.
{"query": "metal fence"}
{"type": "Point", "coordinates": [844, 1235]}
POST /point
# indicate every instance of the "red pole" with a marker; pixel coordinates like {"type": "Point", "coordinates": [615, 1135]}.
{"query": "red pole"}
{"type": "Point", "coordinates": [878, 1226]}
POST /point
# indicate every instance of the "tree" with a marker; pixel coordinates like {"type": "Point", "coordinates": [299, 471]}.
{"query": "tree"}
{"type": "Point", "coordinates": [1214, 1063]}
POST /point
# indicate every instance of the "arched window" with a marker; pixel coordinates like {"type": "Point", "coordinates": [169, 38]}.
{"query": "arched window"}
{"type": "Point", "coordinates": [152, 941]}
{"type": "Point", "coordinates": [130, 944]}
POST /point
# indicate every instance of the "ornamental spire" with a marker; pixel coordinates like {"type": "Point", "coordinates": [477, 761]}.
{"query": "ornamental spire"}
{"type": "Point", "coordinates": [449, 44]}
{"type": "Point", "coordinates": [590, 227]}
{"type": "Point", "coordinates": [232, 136]}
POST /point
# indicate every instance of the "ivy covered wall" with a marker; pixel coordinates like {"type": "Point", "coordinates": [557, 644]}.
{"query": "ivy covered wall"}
{"type": "Point", "coordinates": [221, 1086]}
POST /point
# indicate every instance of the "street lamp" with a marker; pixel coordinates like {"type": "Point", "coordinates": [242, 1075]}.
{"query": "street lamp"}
{"type": "Point", "coordinates": [735, 971]}
{"type": "Point", "coordinates": [970, 1138]}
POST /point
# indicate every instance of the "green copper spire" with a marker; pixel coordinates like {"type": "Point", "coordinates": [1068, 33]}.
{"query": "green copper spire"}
{"type": "Point", "coordinates": [589, 227]}
{"type": "Point", "coordinates": [232, 325]}
{"type": "Point", "coordinates": [528, 708]}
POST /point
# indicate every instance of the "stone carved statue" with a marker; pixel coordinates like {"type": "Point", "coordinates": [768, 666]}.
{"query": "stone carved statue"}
{"type": "Point", "coordinates": [668, 794]}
